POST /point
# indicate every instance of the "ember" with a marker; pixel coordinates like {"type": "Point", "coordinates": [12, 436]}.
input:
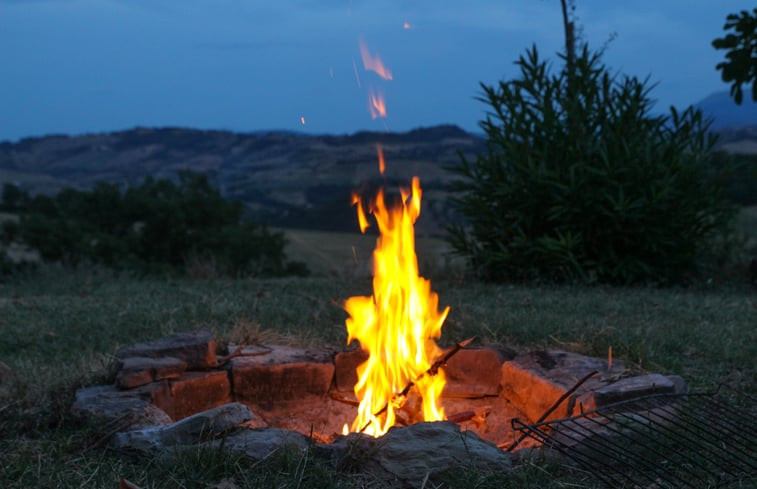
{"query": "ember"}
{"type": "Point", "coordinates": [374, 63]}
{"type": "Point", "coordinates": [376, 105]}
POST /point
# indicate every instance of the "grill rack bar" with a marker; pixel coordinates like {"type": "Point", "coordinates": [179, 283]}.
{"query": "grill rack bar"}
{"type": "Point", "coordinates": [661, 440]}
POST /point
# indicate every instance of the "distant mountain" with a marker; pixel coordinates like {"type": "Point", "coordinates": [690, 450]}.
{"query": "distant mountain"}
{"type": "Point", "coordinates": [286, 179]}
{"type": "Point", "coordinates": [726, 114]}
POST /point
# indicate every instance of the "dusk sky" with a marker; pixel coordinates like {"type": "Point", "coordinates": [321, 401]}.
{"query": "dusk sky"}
{"type": "Point", "coordinates": [79, 66]}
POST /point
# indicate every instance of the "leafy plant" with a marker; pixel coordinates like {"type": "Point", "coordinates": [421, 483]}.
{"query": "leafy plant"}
{"type": "Point", "coordinates": [582, 182]}
{"type": "Point", "coordinates": [156, 227]}
{"type": "Point", "coordinates": [740, 66]}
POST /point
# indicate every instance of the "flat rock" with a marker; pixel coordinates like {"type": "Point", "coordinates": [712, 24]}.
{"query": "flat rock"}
{"type": "Point", "coordinates": [633, 387]}
{"type": "Point", "coordinates": [260, 443]}
{"type": "Point", "coordinates": [248, 350]}
{"type": "Point", "coordinates": [285, 373]}
{"type": "Point", "coordinates": [534, 381]}
{"type": "Point", "coordinates": [197, 428]}
{"type": "Point", "coordinates": [412, 454]}
{"type": "Point", "coordinates": [345, 368]}
{"type": "Point", "coordinates": [280, 354]}
{"type": "Point", "coordinates": [136, 371]}
{"type": "Point", "coordinates": [473, 372]}
{"type": "Point", "coordinates": [196, 348]}
{"type": "Point", "coordinates": [197, 391]}
{"type": "Point", "coordinates": [678, 382]}
{"type": "Point", "coordinates": [113, 409]}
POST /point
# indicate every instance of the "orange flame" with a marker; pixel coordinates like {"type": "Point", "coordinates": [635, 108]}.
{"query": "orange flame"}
{"type": "Point", "coordinates": [361, 218]}
{"type": "Point", "coordinates": [382, 163]}
{"type": "Point", "coordinates": [376, 105]}
{"type": "Point", "coordinates": [397, 325]}
{"type": "Point", "coordinates": [374, 63]}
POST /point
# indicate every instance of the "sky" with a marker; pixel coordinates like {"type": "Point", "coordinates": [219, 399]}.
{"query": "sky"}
{"type": "Point", "coordinates": [84, 66]}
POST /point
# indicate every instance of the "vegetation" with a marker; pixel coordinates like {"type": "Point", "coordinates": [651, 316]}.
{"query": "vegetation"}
{"type": "Point", "coordinates": [582, 182]}
{"type": "Point", "coordinates": [740, 66]}
{"type": "Point", "coordinates": [60, 328]}
{"type": "Point", "coordinates": [157, 227]}
{"type": "Point", "coordinates": [741, 186]}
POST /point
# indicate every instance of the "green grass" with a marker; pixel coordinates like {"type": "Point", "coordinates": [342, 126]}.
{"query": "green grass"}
{"type": "Point", "coordinates": [348, 255]}
{"type": "Point", "coordinates": [58, 330]}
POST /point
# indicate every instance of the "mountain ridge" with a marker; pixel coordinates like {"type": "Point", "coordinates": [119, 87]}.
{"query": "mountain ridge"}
{"type": "Point", "coordinates": [284, 178]}
{"type": "Point", "coordinates": [725, 113]}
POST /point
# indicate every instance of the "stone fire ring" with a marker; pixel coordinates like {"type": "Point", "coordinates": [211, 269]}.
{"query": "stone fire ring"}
{"type": "Point", "coordinates": [175, 391]}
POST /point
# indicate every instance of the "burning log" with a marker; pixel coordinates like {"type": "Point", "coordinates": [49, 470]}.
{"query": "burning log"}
{"type": "Point", "coordinates": [477, 417]}
{"type": "Point", "coordinates": [344, 399]}
{"type": "Point", "coordinates": [432, 370]}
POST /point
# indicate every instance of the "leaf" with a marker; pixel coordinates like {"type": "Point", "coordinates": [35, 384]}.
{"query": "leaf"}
{"type": "Point", "coordinates": [125, 484]}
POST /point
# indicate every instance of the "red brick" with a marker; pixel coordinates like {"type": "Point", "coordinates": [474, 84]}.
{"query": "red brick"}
{"type": "Point", "coordinates": [345, 365]}
{"type": "Point", "coordinates": [194, 392]}
{"type": "Point", "coordinates": [136, 371]}
{"type": "Point", "coordinates": [284, 374]}
{"type": "Point", "coordinates": [197, 348]}
{"type": "Point", "coordinates": [535, 381]}
{"type": "Point", "coordinates": [473, 373]}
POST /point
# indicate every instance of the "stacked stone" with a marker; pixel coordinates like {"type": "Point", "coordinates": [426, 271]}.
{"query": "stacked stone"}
{"type": "Point", "coordinates": [175, 391]}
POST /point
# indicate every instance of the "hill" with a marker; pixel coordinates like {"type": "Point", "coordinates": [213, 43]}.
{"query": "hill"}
{"type": "Point", "coordinates": [286, 179]}
{"type": "Point", "coordinates": [725, 113]}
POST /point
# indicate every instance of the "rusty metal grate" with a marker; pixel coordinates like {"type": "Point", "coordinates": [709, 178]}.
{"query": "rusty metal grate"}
{"type": "Point", "coordinates": [661, 441]}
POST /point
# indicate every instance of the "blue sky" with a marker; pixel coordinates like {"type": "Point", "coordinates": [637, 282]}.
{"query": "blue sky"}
{"type": "Point", "coordinates": [79, 66]}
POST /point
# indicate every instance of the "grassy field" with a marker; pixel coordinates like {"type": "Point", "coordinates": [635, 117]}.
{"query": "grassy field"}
{"type": "Point", "coordinates": [58, 330]}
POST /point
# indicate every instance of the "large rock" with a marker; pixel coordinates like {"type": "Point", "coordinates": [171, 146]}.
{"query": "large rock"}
{"type": "Point", "coordinates": [285, 373]}
{"type": "Point", "coordinates": [260, 443]}
{"type": "Point", "coordinates": [414, 453]}
{"type": "Point", "coordinates": [196, 348]}
{"type": "Point", "coordinates": [633, 387]}
{"type": "Point", "coordinates": [473, 372]}
{"type": "Point", "coordinates": [136, 371]}
{"type": "Point", "coordinates": [534, 381]}
{"type": "Point", "coordinates": [197, 428]}
{"type": "Point", "coordinates": [114, 410]}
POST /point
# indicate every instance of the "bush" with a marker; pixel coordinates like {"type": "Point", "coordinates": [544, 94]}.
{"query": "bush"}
{"type": "Point", "coordinates": [156, 227]}
{"type": "Point", "coordinates": [741, 187]}
{"type": "Point", "coordinates": [581, 182]}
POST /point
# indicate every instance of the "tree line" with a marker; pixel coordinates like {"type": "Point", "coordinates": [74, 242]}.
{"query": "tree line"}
{"type": "Point", "coordinates": [159, 226]}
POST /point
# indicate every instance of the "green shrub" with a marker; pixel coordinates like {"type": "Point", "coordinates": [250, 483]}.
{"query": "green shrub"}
{"type": "Point", "coordinates": [159, 226]}
{"type": "Point", "coordinates": [581, 182]}
{"type": "Point", "coordinates": [741, 187]}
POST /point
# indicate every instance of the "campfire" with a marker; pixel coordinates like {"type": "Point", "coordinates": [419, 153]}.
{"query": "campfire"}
{"type": "Point", "coordinates": [399, 385]}
{"type": "Point", "coordinates": [397, 325]}
{"type": "Point", "coordinates": [398, 377]}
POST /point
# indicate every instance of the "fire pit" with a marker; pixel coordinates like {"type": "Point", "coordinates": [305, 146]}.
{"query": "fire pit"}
{"type": "Point", "coordinates": [177, 390]}
{"type": "Point", "coordinates": [417, 408]}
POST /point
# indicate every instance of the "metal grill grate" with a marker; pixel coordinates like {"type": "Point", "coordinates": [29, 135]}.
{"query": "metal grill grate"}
{"type": "Point", "coordinates": [661, 441]}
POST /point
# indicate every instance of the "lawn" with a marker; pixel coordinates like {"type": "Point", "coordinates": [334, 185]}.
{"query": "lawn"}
{"type": "Point", "coordinates": [59, 329]}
